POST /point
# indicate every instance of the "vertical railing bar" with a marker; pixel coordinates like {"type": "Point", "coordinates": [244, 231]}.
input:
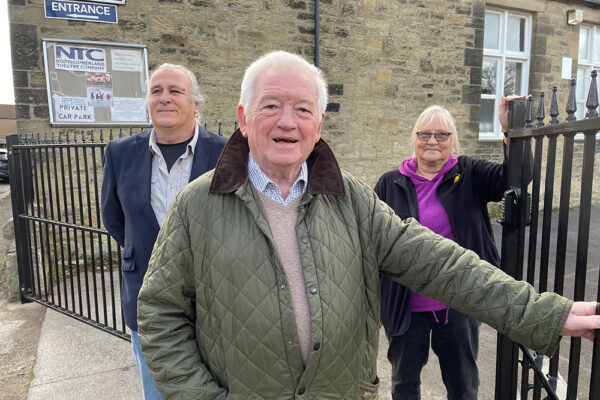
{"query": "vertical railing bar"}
{"type": "Point", "coordinates": [575, 348]}
{"type": "Point", "coordinates": [67, 230]}
{"type": "Point", "coordinates": [583, 233]}
{"type": "Point", "coordinates": [82, 222]}
{"type": "Point", "coordinates": [525, 378]}
{"type": "Point", "coordinates": [562, 232]}
{"type": "Point", "coordinates": [53, 228]}
{"type": "Point", "coordinates": [90, 224]}
{"type": "Point", "coordinates": [523, 212]}
{"type": "Point", "coordinates": [41, 235]}
{"type": "Point", "coordinates": [537, 384]}
{"type": "Point", "coordinates": [59, 216]}
{"type": "Point", "coordinates": [33, 224]}
{"type": "Point", "coordinates": [20, 204]}
{"type": "Point", "coordinates": [98, 224]}
{"type": "Point", "coordinates": [595, 372]}
{"type": "Point", "coordinates": [28, 200]}
{"type": "Point", "coordinates": [47, 228]}
{"type": "Point", "coordinates": [110, 256]}
{"type": "Point", "coordinates": [512, 244]}
{"type": "Point", "coordinates": [74, 218]}
{"type": "Point", "coordinates": [547, 217]}
{"type": "Point", "coordinates": [29, 205]}
{"type": "Point", "coordinates": [535, 209]}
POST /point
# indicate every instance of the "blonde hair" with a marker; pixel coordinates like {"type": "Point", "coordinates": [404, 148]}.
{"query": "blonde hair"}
{"type": "Point", "coordinates": [444, 117]}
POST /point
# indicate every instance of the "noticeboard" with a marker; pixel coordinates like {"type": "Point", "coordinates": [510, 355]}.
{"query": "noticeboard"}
{"type": "Point", "coordinates": [96, 83]}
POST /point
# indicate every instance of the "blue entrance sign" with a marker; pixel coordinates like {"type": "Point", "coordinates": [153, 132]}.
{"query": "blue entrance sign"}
{"type": "Point", "coordinates": [81, 11]}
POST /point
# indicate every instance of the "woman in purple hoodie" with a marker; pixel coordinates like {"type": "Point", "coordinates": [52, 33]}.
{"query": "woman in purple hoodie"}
{"type": "Point", "coordinates": [449, 195]}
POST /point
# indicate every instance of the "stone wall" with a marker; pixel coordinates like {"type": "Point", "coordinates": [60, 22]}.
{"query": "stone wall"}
{"type": "Point", "coordinates": [385, 61]}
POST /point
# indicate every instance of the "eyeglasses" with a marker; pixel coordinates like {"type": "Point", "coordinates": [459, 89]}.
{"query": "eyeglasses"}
{"type": "Point", "coordinates": [439, 136]}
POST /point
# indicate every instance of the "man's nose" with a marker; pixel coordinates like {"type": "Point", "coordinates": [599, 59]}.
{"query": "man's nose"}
{"type": "Point", "coordinates": [287, 118]}
{"type": "Point", "coordinates": [165, 97]}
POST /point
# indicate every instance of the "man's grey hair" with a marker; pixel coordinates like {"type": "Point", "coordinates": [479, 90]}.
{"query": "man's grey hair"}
{"type": "Point", "coordinates": [195, 93]}
{"type": "Point", "coordinates": [286, 61]}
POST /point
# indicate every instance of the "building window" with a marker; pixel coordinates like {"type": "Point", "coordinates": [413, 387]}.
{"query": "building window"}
{"type": "Point", "coordinates": [588, 60]}
{"type": "Point", "coordinates": [505, 67]}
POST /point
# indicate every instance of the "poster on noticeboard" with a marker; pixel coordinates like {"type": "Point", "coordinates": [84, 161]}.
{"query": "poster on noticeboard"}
{"type": "Point", "coordinates": [96, 83]}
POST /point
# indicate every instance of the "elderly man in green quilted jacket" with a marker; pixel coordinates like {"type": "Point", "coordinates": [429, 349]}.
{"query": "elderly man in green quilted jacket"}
{"type": "Point", "coordinates": [264, 280]}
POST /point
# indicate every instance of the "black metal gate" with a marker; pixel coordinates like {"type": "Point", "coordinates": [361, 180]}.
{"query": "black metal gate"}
{"type": "Point", "coordinates": [556, 262]}
{"type": "Point", "coordinates": [67, 261]}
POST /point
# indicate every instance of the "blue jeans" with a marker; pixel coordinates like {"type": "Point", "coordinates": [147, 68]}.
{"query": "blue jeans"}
{"type": "Point", "coordinates": [456, 344]}
{"type": "Point", "coordinates": [148, 386]}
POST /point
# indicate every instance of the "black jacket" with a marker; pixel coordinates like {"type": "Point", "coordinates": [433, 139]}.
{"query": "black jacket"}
{"type": "Point", "coordinates": [464, 193]}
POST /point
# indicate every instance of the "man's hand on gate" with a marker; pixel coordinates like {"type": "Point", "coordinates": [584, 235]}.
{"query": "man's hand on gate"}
{"type": "Point", "coordinates": [582, 320]}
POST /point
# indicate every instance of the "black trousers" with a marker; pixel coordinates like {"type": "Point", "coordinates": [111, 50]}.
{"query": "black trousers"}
{"type": "Point", "coordinates": [456, 345]}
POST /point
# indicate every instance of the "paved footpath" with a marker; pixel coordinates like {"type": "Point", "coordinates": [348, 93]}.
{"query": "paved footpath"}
{"type": "Point", "coordinates": [76, 361]}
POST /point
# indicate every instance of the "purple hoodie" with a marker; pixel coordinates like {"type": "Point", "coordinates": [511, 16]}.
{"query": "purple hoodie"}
{"type": "Point", "coordinates": [431, 215]}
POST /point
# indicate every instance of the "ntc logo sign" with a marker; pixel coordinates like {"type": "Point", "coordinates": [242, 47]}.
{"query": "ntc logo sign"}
{"type": "Point", "coordinates": [78, 58]}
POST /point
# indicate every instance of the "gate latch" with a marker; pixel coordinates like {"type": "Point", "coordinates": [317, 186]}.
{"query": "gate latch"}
{"type": "Point", "coordinates": [510, 207]}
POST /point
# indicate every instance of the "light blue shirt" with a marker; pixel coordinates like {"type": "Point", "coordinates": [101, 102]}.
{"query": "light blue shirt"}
{"type": "Point", "coordinates": [265, 185]}
{"type": "Point", "coordinates": [165, 184]}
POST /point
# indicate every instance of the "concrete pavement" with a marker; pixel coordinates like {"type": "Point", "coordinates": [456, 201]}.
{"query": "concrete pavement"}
{"type": "Point", "coordinates": [77, 361]}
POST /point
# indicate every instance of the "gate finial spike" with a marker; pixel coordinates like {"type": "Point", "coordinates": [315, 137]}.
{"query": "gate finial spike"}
{"type": "Point", "coordinates": [554, 107]}
{"type": "Point", "coordinates": [571, 103]}
{"type": "Point", "coordinates": [541, 114]}
{"type": "Point", "coordinates": [592, 100]}
{"type": "Point", "coordinates": [529, 112]}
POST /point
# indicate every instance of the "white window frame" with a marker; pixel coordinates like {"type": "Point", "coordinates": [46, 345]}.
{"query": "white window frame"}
{"type": "Point", "coordinates": [502, 56]}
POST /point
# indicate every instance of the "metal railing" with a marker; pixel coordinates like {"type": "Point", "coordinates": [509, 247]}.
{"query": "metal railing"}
{"type": "Point", "coordinates": [524, 233]}
{"type": "Point", "coordinates": [67, 260]}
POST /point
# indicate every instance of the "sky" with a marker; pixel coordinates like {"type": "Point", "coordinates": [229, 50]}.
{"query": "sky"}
{"type": "Point", "coordinates": [7, 94]}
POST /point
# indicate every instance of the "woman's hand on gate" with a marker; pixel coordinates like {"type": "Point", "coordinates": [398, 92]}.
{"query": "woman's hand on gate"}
{"type": "Point", "coordinates": [503, 110]}
{"type": "Point", "coordinates": [582, 320]}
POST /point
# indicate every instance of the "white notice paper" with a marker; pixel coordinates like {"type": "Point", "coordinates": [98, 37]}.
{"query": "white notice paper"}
{"type": "Point", "coordinates": [126, 60]}
{"type": "Point", "coordinates": [567, 65]}
{"type": "Point", "coordinates": [73, 109]}
{"type": "Point", "coordinates": [128, 109]}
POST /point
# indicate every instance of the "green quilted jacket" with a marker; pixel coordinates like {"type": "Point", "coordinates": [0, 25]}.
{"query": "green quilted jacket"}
{"type": "Point", "coordinates": [215, 314]}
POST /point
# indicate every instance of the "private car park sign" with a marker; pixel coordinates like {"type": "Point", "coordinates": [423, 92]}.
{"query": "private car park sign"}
{"type": "Point", "coordinates": [82, 11]}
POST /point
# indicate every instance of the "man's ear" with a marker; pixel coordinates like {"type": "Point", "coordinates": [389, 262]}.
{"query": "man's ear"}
{"type": "Point", "coordinates": [241, 119]}
{"type": "Point", "coordinates": [318, 135]}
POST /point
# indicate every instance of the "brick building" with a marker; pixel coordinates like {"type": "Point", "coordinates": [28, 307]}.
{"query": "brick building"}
{"type": "Point", "coordinates": [385, 61]}
{"type": "Point", "coordinates": [8, 120]}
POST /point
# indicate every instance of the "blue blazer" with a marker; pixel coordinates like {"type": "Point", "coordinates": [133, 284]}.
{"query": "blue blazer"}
{"type": "Point", "coordinates": [126, 210]}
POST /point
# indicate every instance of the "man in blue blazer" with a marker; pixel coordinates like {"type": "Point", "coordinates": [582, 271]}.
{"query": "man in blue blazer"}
{"type": "Point", "coordinates": [142, 175]}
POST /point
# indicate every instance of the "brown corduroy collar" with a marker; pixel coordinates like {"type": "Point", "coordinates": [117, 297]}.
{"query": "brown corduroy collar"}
{"type": "Point", "coordinates": [324, 175]}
